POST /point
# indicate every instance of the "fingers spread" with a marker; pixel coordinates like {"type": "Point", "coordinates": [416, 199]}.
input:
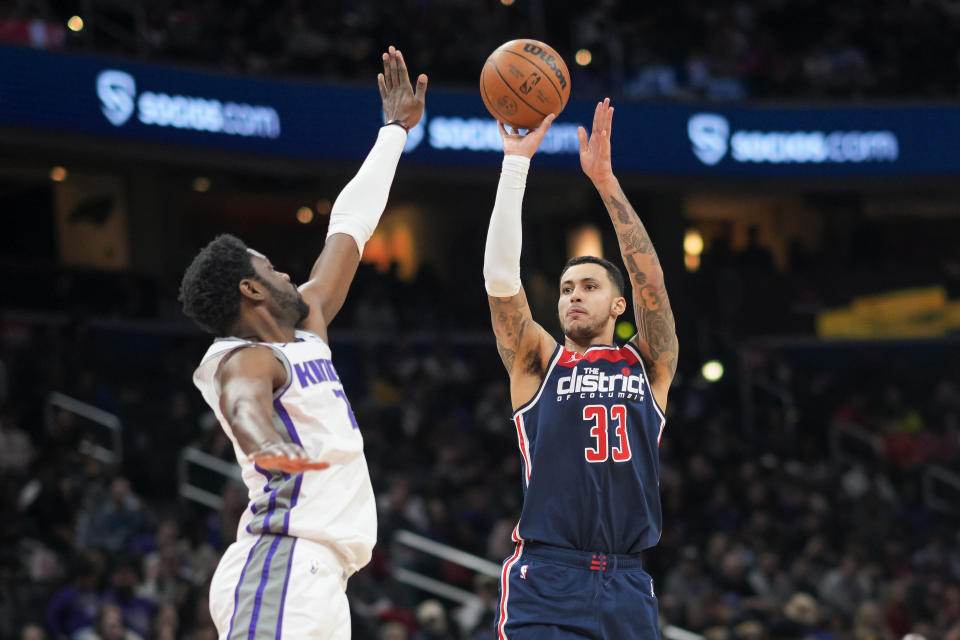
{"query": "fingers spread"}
{"type": "Point", "coordinates": [314, 466]}
{"type": "Point", "coordinates": [421, 86]}
{"type": "Point", "coordinates": [387, 80]}
{"type": "Point", "coordinates": [394, 71]}
{"type": "Point", "coordinates": [381, 86]}
{"type": "Point", "coordinates": [582, 135]}
{"type": "Point", "coordinates": [289, 464]}
{"type": "Point", "coordinates": [402, 68]}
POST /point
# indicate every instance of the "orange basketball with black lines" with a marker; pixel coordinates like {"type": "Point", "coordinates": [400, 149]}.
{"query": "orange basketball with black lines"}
{"type": "Point", "coordinates": [522, 81]}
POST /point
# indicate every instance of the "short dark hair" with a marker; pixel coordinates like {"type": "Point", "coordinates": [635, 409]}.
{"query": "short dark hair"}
{"type": "Point", "coordinates": [209, 290]}
{"type": "Point", "coordinates": [613, 272]}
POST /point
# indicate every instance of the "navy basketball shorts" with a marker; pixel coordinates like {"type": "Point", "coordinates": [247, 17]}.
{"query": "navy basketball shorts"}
{"type": "Point", "coordinates": [550, 593]}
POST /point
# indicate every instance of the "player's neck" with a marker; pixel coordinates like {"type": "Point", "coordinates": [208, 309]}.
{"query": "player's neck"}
{"type": "Point", "coordinates": [582, 344]}
{"type": "Point", "coordinates": [263, 327]}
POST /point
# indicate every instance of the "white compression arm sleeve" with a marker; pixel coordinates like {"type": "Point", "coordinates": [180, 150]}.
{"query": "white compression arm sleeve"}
{"type": "Point", "coordinates": [359, 206]}
{"type": "Point", "coordinates": [501, 258]}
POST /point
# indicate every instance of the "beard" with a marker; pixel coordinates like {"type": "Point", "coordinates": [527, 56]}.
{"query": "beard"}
{"type": "Point", "coordinates": [582, 330]}
{"type": "Point", "coordinates": [291, 302]}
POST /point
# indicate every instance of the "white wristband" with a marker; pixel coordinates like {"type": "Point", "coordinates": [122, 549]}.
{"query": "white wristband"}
{"type": "Point", "coordinates": [501, 258]}
{"type": "Point", "coordinates": [359, 206]}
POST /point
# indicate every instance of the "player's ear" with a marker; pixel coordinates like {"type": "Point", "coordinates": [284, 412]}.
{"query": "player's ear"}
{"type": "Point", "coordinates": [619, 306]}
{"type": "Point", "coordinates": [252, 289]}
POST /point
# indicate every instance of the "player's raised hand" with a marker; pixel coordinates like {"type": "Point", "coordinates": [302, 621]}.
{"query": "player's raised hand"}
{"type": "Point", "coordinates": [400, 101]}
{"type": "Point", "coordinates": [595, 150]}
{"type": "Point", "coordinates": [286, 457]}
{"type": "Point", "coordinates": [527, 144]}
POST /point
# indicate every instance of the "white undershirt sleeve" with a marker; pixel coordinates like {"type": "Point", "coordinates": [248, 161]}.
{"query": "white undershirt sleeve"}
{"type": "Point", "coordinates": [359, 206]}
{"type": "Point", "coordinates": [501, 258]}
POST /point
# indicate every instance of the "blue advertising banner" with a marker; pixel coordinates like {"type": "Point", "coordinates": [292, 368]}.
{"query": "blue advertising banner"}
{"type": "Point", "coordinates": [155, 104]}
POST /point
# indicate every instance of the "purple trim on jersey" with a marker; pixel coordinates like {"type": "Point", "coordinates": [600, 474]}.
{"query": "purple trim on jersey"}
{"type": "Point", "coordinates": [291, 429]}
{"type": "Point", "coordinates": [271, 507]}
{"type": "Point", "coordinates": [293, 502]}
{"type": "Point", "coordinates": [236, 592]}
{"type": "Point", "coordinates": [286, 420]}
{"type": "Point", "coordinates": [286, 580]}
{"type": "Point", "coordinates": [266, 474]}
{"type": "Point", "coordinates": [263, 583]}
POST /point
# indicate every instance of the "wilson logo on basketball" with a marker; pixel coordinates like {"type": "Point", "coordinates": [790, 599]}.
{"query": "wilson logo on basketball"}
{"type": "Point", "coordinates": [548, 60]}
{"type": "Point", "coordinates": [508, 106]}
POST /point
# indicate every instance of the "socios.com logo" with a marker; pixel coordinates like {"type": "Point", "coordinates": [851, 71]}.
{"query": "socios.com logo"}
{"type": "Point", "coordinates": [708, 132]}
{"type": "Point", "coordinates": [116, 90]}
{"type": "Point", "coordinates": [711, 139]}
{"type": "Point", "coordinates": [119, 100]}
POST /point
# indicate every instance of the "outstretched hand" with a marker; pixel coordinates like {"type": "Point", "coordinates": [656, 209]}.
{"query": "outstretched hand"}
{"type": "Point", "coordinates": [400, 101]}
{"type": "Point", "coordinates": [595, 150]}
{"type": "Point", "coordinates": [286, 457]}
{"type": "Point", "coordinates": [527, 144]}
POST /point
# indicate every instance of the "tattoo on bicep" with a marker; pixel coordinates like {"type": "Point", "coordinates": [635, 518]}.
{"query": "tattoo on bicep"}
{"type": "Point", "coordinates": [511, 320]}
{"type": "Point", "coordinates": [655, 326]}
{"type": "Point", "coordinates": [508, 326]}
{"type": "Point", "coordinates": [507, 354]}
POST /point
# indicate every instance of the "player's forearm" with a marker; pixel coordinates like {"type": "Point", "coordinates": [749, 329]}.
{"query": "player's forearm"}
{"type": "Point", "coordinates": [358, 208]}
{"type": "Point", "coordinates": [636, 247]}
{"type": "Point", "coordinates": [654, 315]}
{"type": "Point", "coordinates": [353, 219]}
{"type": "Point", "coordinates": [501, 256]}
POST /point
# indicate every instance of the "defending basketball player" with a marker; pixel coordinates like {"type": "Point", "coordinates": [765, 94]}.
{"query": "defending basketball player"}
{"type": "Point", "coordinates": [312, 517]}
{"type": "Point", "coordinates": [588, 416]}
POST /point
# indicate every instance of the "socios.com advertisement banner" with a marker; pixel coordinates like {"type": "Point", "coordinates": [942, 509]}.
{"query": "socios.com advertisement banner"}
{"type": "Point", "coordinates": [155, 104]}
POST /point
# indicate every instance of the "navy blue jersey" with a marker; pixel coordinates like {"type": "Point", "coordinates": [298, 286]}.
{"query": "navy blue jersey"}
{"type": "Point", "coordinates": [589, 440]}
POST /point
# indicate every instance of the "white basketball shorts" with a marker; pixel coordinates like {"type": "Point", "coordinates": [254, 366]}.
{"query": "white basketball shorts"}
{"type": "Point", "coordinates": [279, 588]}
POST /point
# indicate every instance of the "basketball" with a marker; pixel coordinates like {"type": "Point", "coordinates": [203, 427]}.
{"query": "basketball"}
{"type": "Point", "coordinates": [523, 81]}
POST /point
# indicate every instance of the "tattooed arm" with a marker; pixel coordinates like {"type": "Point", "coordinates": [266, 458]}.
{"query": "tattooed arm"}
{"type": "Point", "coordinates": [656, 336]}
{"type": "Point", "coordinates": [525, 347]}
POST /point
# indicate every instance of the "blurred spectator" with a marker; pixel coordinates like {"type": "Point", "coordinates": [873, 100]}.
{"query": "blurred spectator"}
{"type": "Point", "coordinates": [112, 524]}
{"type": "Point", "coordinates": [74, 607]}
{"type": "Point", "coordinates": [843, 587]}
{"type": "Point", "coordinates": [110, 626]}
{"type": "Point", "coordinates": [432, 619]}
{"type": "Point", "coordinates": [868, 623]}
{"type": "Point", "coordinates": [166, 624]}
{"type": "Point", "coordinates": [32, 631]}
{"type": "Point", "coordinates": [16, 449]}
{"type": "Point", "coordinates": [393, 631]}
{"type": "Point", "coordinates": [137, 611]}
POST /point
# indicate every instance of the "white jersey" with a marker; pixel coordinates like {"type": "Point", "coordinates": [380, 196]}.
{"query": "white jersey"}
{"type": "Point", "coordinates": [335, 506]}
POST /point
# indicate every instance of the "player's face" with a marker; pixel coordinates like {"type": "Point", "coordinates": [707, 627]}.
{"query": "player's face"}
{"type": "Point", "coordinates": [588, 303]}
{"type": "Point", "coordinates": [286, 298]}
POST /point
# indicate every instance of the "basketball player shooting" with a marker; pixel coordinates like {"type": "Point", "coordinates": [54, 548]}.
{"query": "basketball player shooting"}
{"type": "Point", "coordinates": [588, 415]}
{"type": "Point", "coordinates": [311, 522]}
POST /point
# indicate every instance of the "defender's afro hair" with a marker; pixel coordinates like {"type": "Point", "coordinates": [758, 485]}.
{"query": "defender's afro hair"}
{"type": "Point", "coordinates": [209, 290]}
